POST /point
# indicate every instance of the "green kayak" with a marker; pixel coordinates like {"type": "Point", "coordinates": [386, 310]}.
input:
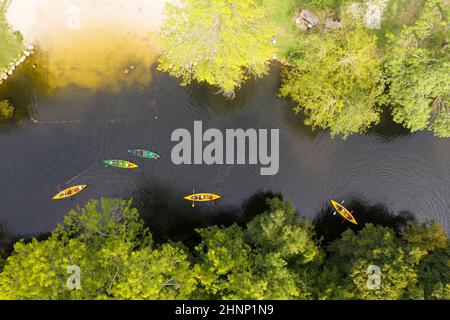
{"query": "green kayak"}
{"type": "Point", "coordinates": [120, 164]}
{"type": "Point", "coordinates": [141, 153]}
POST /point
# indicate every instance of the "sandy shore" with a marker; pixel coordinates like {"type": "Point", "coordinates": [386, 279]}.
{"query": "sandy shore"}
{"type": "Point", "coordinates": [37, 19]}
{"type": "Point", "coordinates": [95, 44]}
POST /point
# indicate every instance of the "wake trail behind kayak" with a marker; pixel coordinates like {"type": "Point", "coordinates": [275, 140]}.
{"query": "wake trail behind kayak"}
{"type": "Point", "coordinates": [78, 175]}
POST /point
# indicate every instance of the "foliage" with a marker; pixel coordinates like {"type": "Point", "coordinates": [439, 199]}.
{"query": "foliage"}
{"type": "Point", "coordinates": [221, 42]}
{"type": "Point", "coordinates": [276, 256]}
{"type": "Point", "coordinates": [164, 274]}
{"type": "Point", "coordinates": [417, 71]}
{"type": "Point", "coordinates": [107, 219]}
{"type": "Point", "coordinates": [279, 231]}
{"type": "Point", "coordinates": [6, 110]}
{"type": "Point", "coordinates": [11, 41]}
{"type": "Point", "coordinates": [255, 263]}
{"type": "Point", "coordinates": [398, 262]}
{"type": "Point", "coordinates": [227, 263]}
{"type": "Point", "coordinates": [428, 235]}
{"type": "Point", "coordinates": [37, 270]}
{"type": "Point", "coordinates": [324, 4]}
{"type": "Point", "coordinates": [336, 80]}
{"type": "Point", "coordinates": [112, 249]}
{"type": "Point", "coordinates": [435, 274]}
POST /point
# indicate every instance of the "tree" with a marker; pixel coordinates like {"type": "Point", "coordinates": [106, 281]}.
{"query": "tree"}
{"type": "Point", "coordinates": [417, 69]}
{"type": "Point", "coordinates": [162, 274]}
{"type": "Point", "coordinates": [435, 274]}
{"type": "Point", "coordinates": [428, 235]}
{"type": "Point", "coordinates": [108, 242]}
{"type": "Point", "coordinates": [226, 265]}
{"type": "Point", "coordinates": [275, 257]}
{"type": "Point", "coordinates": [267, 260]}
{"type": "Point", "coordinates": [38, 270]}
{"type": "Point", "coordinates": [336, 79]}
{"type": "Point", "coordinates": [101, 221]}
{"type": "Point", "coordinates": [6, 110]}
{"type": "Point", "coordinates": [328, 283]}
{"type": "Point", "coordinates": [11, 41]}
{"type": "Point", "coordinates": [354, 254]}
{"type": "Point", "coordinates": [229, 268]}
{"type": "Point", "coordinates": [280, 231]}
{"type": "Point", "coordinates": [220, 42]}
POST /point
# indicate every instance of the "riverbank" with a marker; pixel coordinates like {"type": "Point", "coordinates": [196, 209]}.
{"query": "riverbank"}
{"type": "Point", "coordinates": [101, 44]}
{"type": "Point", "coordinates": [38, 18]}
{"type": "Point", "coordinates": [16, 62]}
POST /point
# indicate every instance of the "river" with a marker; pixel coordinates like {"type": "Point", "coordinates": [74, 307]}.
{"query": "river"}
{"type": "Point", "coordinates": [76, 107]}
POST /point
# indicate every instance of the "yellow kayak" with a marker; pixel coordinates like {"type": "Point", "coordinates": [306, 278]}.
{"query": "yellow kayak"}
{"type": "Point", "coordinates": [343, 211]}
{"type": "Point", "coordinates": [120, 164]}
{"type": "Point", "coordinates": [70, 192]}
{"type": "Point", "coordinates": [202, 197]}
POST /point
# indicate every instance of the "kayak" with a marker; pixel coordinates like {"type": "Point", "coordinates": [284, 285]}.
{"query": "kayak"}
{"type": "Point", "coordinates": [141, 153]}
{"type": "Point", "coordinates": [343, 211]}
{"type": "Point", "coordinates": [202, 197]}
{"type": "Point", "coordinates": [120, 164]}
{"type": "Point", "coordinates": [70, 192]}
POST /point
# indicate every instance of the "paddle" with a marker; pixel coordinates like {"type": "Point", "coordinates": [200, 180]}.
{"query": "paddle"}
{"type": "Point", "coordinates": [193, 201]}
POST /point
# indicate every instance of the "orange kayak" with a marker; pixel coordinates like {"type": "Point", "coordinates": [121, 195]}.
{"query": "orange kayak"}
{"type": "Point", "coordinates": [343, 211]}
{"type": "Point", "coordinates": [70, 192]}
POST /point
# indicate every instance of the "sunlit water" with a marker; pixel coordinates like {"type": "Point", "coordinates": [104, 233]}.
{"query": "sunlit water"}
{"type": "Point", "coordinates": [87, 110]}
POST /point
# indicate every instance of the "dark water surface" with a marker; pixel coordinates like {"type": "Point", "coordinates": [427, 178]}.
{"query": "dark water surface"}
{"type": "Point", "coordinates": [387, 166]}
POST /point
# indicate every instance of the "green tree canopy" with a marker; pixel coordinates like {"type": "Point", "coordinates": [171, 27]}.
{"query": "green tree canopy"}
{"type": "Point", "coordinates": [164, 274]}
{"type": "Point", "coordinates": [428, 235]}
{"type": "Point", "coordinates": [261, 261]}
{"type": "Point", "coordinates": [397, 260]}
{"type": "Point", "coordinates": [336, 79]}
{"type": "Point", "coordinates": [279, 230]}
{"type": "Point", "coordinates": [277, 256]}
{"type": "Point", "coordinates": [107, 241]}
{"type": "Point", "coordinates": [227, 265]}
{"type": "Point", "coordinates": [38, 269]}
{"type": "Point", "coordinates": [417, 69]}
{"type": "Point", "coordinates": [435, 274]}
{"type": "Point", "coordinates": [11, 41]}
{"type": "Point", "coordinates": [220, 42]}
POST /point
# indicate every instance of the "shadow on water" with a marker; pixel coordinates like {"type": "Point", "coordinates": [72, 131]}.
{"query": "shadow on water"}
{"type": "Point", "coordinates": [210, 99]}
{"type": "Point", "coordinates": [23, 88]}
{"type": "Point", "coordinates": [7, 240]}
{"type": "Point", "coordinates": [177, 221]}
{"type": "Point", "coordinates": [296, 121]}
{"type": "Point", "coordinates": [330, 226]}
{"type": "Point", "coordinates": [256, 205]}
{"type": "Point", "coordinates": [171, 220]}
{"type": "Point", "coordinates": [388, 130]}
